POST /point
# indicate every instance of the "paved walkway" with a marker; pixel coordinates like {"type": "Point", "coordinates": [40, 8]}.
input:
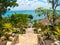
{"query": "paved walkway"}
{"type": "Point", "coordinates": [29, 38]}
{"type": "Point", "coordinates": [30, 30]}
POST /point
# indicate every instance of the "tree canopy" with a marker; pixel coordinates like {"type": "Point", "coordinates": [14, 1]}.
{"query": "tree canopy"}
{"type": "Point", "coordinates": [18, 20]}
{"type": "Point", "coordinates": [5, 4]}
{"type": "Point", "coordinates": [52, 13]}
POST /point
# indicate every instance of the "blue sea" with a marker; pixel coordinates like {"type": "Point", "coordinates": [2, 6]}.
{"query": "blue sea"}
{"type": "Point", "coordinates": [32, 12]}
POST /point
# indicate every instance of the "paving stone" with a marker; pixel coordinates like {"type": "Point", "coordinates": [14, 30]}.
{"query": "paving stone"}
{"type": "Point", "coordinates": [28, 39]}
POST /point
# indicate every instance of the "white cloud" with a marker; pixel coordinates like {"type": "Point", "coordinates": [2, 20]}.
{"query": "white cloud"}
{"type": "Point", "coordinates": [30, 5]}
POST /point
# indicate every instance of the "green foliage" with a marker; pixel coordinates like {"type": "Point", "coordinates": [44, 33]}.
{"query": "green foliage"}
{"type": "Point", "coordinates": [46, 12]}
{"type": "Point", "coordinates": [4, 4]}
{"type": "Point", "coordinates": [14, 21]}
{"type": "Point", "coordinates": [19, 20]}
{"type": "Point", "coordinates": [47, 34]}
{"type": "Point", "coordinates": [57, 32]}
{"type": "Point", "coordinates": [7, 27]}
{"type": "Point", "coordinates": [40, 11]}
{"type": "Point", "coordinates": [50, 34]}
{"type": "Point", "coordinates": [51, 13]}
{"type": "Point", "coordinates": [36, 31]}
{"type": "Point", "coordinates": [22, 31]}
{"type": "Point", "coordinates": [38, 25]}
{"type": "Point", "coordinates": [55, 4]}
{"type": "Point", "coordinates": [30, 17]}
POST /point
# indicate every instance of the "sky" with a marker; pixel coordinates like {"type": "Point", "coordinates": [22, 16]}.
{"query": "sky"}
{"type": "Point", "coordinates": [31, 4]}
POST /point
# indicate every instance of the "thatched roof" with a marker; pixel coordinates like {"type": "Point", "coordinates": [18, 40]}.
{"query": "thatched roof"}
{"type": "Point", "coordinates": [45, 21]}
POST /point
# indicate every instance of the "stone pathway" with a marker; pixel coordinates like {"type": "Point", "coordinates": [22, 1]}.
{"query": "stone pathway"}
{"type": "Point", "coordinates": [29, 38]}
{"type": "Point", "coordinates": [30, 30]}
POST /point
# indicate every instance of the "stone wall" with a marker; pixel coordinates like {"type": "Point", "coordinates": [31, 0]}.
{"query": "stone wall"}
{"type": "Point", "coordinates": [3, 42]}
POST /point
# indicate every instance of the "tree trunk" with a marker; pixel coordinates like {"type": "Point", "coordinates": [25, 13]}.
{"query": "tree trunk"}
{"type": "Point", "coordinates": [53, 8]}
{"type": "Point", "coordinates": [0, 17]}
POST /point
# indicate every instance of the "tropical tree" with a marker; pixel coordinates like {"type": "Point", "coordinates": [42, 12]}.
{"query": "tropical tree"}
{"type": "Point", "coordinates": [4, 7]}
{"type": "Point", "coordinates": [55, 4]}
{"type": "Point", "coordinates": [42, 11]}
{"type": "Point", "coordinates": [30, 18]}
{"type": "Point", "coordinates": [7, 27]}
{"type": "Point", "coordinates": [19, 20]}
{"type": "Point", "coordinates": [51, 13]}
{"type": "Point", "coordinates": [6, 20]}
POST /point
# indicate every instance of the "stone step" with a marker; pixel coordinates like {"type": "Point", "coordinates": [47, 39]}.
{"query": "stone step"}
{"type": "Point", "coordinates": [28, 39]}
{"type": "Point", "coordinates": [8, 43]}
{"type": "Point", "coordinates": [26, 44]}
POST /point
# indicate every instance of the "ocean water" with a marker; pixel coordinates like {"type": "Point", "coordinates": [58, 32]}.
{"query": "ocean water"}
{"type": "Point", "coordinates": [32, 12]}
